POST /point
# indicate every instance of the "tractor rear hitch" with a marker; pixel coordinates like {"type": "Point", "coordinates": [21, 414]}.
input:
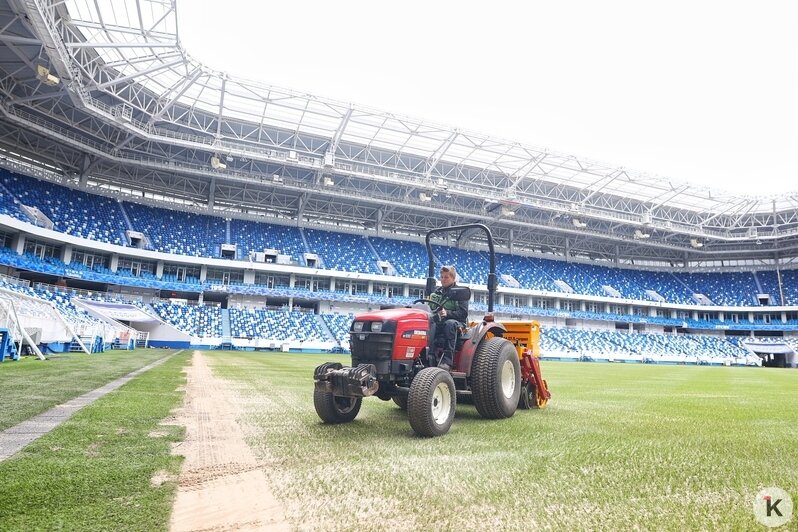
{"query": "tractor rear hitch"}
{"type": "Point", "coordinates": [360, 381]}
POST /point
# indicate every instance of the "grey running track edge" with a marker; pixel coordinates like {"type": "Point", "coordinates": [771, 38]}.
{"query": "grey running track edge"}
{"type": "Point", "coordinates": [13, 439]}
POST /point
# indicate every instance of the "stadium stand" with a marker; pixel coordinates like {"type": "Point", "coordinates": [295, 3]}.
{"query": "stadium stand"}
{"type": "Point", "coordinates": [255, 237]}
{"type": "Point", "coordinates": [102, 219]}
{"type": "Point", "coordinates": [201, 321]}
{"type": "Point", "coordinates": [343, 252]}
{"type": "Point", "coordinates": [180, 233]}
{"type": "Point", "coordinates": [339, 326]}
{"type": "Point", "coordinates": [276, 325]}
{"type": "Point", "coordinates": [731, 289]}
{"type": "Point", "coordinates": [642, 346]}
{"type": "Point", "coordinates": [409, 259]}
{"type": "Point", "coordinates": [472, 266]}
{"type": "Point", "coordinates": [72, 212]}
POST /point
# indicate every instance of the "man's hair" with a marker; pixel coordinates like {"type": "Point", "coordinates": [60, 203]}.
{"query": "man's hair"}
{"type": "Point", "coordinates": [449, 269]}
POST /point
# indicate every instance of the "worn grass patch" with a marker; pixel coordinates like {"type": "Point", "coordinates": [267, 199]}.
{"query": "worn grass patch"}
{"type": "Point", "coordinates": [102, 469]}
{"type": "Point", "coordinates": [619, 447]}
{"type": "Point", "coordinates": [29, 386]}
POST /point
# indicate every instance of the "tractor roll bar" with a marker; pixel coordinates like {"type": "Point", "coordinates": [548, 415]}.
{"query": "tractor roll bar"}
{"type": "Point", "coordinates": [431, 282]}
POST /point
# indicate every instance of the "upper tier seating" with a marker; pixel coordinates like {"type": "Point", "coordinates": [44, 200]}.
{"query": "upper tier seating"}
{"type": "Point", "coordinates": [72, 212]}
{"type": "Point", "coordinates": [172, 231]}
{"type": "Point", "coordinates": [769, 282]}
{"type": "Point", "coordinates": [254, 237]}
{"type": "Point", "coordinates": [343, 252]}
{"type": "Point", "coordinates": [732, 289]}
{"type": "Point", "coordinates": [472, 266]}
{"type": "Point", "coordinates": [409, 259]}
{"type": "Point", "coordinates": [181, 233]}
{"type": "Point", "coordinates": [789, 280]}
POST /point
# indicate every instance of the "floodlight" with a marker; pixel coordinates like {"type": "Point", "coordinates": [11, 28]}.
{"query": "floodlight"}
{"type": "Point", "coordinates": [696, 243]}
{"type": "Point", "coordinates": [43, 75]}
{"type": "Point", "coordinates": [217, 163]}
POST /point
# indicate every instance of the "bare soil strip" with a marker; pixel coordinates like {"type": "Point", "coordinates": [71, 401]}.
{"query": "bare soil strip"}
{"type": "Point", "coordinates": [221, 485]}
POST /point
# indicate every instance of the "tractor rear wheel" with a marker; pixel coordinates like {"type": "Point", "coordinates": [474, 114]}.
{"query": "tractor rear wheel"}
{"type": "Point", "coordinates": [431, 402]}
{"type": "Point", "coordinates": [334, 408]}
{"type": "Point", "coordinates": [496, 378]}
{"type": "Point", "coordinates": [401, 401]}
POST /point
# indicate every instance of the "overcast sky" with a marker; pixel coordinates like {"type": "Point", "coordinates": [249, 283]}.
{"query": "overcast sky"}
{"type": "Point", "coordinates": [698, 91]}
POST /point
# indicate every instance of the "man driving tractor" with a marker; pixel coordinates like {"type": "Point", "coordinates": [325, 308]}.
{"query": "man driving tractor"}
{"type": "Point", "coordinates": [450, 317]}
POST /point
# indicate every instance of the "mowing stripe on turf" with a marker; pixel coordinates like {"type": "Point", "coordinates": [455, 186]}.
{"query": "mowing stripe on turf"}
{"type": "Point", "coordinates": [14, 439]}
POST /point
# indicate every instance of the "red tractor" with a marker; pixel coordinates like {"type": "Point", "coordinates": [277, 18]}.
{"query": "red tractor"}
{"type": "Point", "coordinates": [394, 357]}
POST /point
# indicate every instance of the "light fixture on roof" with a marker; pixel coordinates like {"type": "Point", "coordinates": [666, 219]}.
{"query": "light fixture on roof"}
{"type": "Point", "coordinates": [328, 181]}
{"type": "Point", "coordinates": [217, 164]}
{"type": "Point", "coordinates": [640, 235]}
{"type": "Point", "coordinates": [696, 243]}
{"type": "Point", "coordinates": [277, 178]}
{"type": "Point", "coordinates": [43, 75]}
{"type": "Point", "coordinates": [578, 223]}
{"type": "Point", "coordinates": [423, 196]}
{"type": "Point", "coordinates": [507, 211]}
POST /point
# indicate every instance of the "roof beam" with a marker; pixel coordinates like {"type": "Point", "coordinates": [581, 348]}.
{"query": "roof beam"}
{"type": "Point", "coordinates": [432, 160]}
{"type": "Point", "coordinates": [220, 114]}
{"type": "Point", "coordinates": [119, 45]}
{"type": "Point", "coordinates": [139, 73]}
{"type": "Point", "coordinates": [340, 131]}
{"type": "Point", "coordinates": [193, 77]}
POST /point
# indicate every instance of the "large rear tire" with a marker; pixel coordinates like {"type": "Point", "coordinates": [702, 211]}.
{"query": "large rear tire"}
{"type": "Point", "coordinates": [431, 402]}
{"type": "Point", "coordinates": [336, 409]}
{"type": "Point", "coordinates": [496, 378]}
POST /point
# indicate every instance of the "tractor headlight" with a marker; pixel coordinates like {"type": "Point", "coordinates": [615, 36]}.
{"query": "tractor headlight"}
{"type": "Point", "coordinates": [357, 326]}
{"type": "Point", "coordinates": [376, 326]}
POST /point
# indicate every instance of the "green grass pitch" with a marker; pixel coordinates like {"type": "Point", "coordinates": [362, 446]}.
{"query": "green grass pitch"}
{"type": "Point", "coordinates": [620, 446]}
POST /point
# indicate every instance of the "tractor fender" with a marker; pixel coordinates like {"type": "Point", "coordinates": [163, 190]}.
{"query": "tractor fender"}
{"type": "Point", "coordinates": [478, 333]}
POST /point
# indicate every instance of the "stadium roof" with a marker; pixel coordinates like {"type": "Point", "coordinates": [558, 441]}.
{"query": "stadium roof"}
{"type": "Point", "coordinates": [132, 101]}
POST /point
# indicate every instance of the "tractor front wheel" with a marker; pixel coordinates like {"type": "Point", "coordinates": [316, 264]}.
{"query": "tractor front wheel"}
{"type": "Point", "coordinates": [496, 378]}
{"type": "Point", "coordinates": [431, 402]}
{"type": "Point", "coordinates": [334, 408]}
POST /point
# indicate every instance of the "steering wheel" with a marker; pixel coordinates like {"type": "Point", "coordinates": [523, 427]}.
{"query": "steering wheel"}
{"type": "Point", "coordinates": [429, 301]}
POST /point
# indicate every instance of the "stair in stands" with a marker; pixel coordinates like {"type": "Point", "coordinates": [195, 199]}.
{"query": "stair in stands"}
{"type": "Point", "coordinates": [324, 327]}
{"type": "Point", "coordinates": [227, 337]}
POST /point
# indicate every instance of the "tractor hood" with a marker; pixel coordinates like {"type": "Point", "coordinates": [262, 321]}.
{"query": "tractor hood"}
{"type": "Point", "coordinates": [393, 314]}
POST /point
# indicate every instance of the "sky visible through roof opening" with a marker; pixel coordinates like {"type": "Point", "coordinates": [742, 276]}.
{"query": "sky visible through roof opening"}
{"type": "Point", "coordinates": [698, 92]}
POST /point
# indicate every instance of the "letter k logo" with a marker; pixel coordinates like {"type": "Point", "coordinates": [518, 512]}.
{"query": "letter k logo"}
{"type": "Point", "coordinates": [771, 506]}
